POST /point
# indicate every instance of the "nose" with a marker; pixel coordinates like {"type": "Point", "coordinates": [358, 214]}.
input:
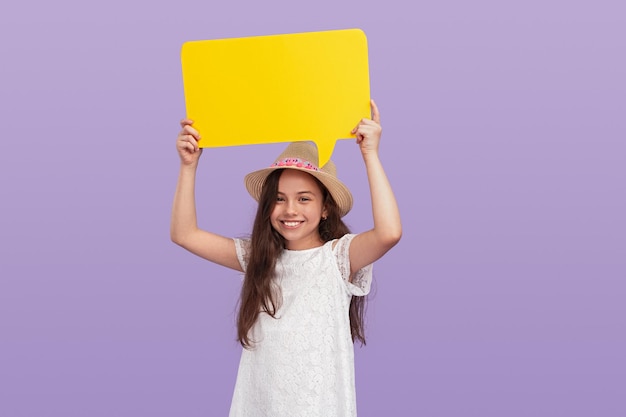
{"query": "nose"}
{"type": "Point", "coordinates": [292, 208]}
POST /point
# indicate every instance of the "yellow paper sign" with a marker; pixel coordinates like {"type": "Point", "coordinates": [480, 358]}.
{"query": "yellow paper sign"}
{"type": "Point", "coordinates": [279, 88]}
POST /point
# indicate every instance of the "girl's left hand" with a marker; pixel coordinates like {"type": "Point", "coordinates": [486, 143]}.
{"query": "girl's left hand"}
{"type": "Point", "coordinates": [368, 131]}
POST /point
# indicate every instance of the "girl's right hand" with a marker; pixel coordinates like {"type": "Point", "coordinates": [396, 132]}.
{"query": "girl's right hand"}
{"type": "Point", "coordinates": [187, 143]}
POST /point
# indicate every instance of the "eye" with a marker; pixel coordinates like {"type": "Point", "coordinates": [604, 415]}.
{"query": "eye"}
{"type": "Point", "coordinates": [279, 199]}
{"type": "Point", "coordinates": [304, 199]}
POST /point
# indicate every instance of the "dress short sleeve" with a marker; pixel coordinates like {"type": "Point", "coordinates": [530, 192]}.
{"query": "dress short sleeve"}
{"type": "Point", "coordinates": [362, 279]}
{"type": "Point", "coordinates": [243, 251]}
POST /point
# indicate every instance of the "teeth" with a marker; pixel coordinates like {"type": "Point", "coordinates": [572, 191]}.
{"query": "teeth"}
{"type": "Point", "coordinates": [291, 224]}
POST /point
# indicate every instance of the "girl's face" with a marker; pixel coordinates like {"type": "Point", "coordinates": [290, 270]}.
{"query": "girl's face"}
{"type": "Point", "coordinates": [298, 210]}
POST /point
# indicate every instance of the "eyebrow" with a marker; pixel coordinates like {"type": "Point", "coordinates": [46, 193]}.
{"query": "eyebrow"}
{"type": "Point", "coordinates": [299, 192]}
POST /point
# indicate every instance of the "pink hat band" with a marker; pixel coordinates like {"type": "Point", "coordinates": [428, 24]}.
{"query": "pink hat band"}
{"type": "Point", "coordinates": [295, 162]}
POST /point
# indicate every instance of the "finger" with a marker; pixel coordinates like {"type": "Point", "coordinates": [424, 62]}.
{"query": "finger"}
{"type": "Point", "coordinates": [189, 146]}
{"type": "Point", "coordinates": [357, 127]}
{"type": "Point", "coordinates": [185, 122]}
{"type": "Point", "coordinates": [194, 143]}
{"type": "Point", "coordinates": [368, 130]}
{"type": "Point", "coordinates": [188, 139]}
{"type": "Point", "coordinates": [367, 124]}
{"type": "Point", "coordinates": [375, 112]}
{"type": "Point", "coordinates": [187, 129]}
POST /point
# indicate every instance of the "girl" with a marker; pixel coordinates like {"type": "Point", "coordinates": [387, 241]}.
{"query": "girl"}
{"type": "Point", "coordinates": [306, 276]}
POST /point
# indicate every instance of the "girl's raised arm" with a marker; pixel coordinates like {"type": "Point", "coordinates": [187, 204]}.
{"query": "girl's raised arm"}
{"type": "Point", "coordinates": [184, 229]}
{"type": "Point", "coordinates": [369, 246]}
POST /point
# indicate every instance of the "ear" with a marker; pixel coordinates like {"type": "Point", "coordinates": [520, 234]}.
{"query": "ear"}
{"type": "Point", "coordinates": [324, 212]}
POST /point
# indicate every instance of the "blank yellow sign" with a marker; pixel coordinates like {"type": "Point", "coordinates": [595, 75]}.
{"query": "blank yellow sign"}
{"type": "Point", "coordinates": [279, 88]}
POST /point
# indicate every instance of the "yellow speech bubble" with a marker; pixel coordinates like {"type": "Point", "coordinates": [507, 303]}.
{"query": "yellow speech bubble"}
{"type": "Point", "coordinates": [281, 88]}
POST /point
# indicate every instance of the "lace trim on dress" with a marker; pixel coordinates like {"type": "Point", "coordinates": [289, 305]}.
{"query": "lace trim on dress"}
{"type": "Point", "coordinates": [243, 252]}
{"type": "Point", "coordinates": [362, 279]}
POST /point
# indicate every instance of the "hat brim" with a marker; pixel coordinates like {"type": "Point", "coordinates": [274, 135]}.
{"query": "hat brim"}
{"type": "Point", "coordinates": [341, 194]}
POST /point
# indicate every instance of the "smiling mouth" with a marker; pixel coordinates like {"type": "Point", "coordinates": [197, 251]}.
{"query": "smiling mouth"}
{"type": "Point", "coordinates": [291, 223]}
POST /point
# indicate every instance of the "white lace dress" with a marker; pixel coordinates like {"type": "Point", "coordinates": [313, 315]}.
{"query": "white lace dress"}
{"type": "Point", "coordinates": [303, 362]}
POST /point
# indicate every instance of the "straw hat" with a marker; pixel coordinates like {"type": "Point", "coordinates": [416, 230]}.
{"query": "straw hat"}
{"type": "Point", "coordinates": [302, 156]}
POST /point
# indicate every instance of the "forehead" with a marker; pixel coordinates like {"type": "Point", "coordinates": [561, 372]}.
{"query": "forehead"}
{"type": "Point", "coordinates": [292, 180]}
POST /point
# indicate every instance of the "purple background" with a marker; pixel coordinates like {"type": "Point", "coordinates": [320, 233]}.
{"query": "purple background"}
{"type": "Point", "coordinates": [504, 138]}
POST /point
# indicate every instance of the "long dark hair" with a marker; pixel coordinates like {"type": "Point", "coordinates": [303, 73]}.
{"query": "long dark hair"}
{"type": "Point", "coordinates": [258, 293]}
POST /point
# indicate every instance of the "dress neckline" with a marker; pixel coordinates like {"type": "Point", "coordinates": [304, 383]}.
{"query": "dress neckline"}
{"type": "Point", "coordinates": [297, 251]}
